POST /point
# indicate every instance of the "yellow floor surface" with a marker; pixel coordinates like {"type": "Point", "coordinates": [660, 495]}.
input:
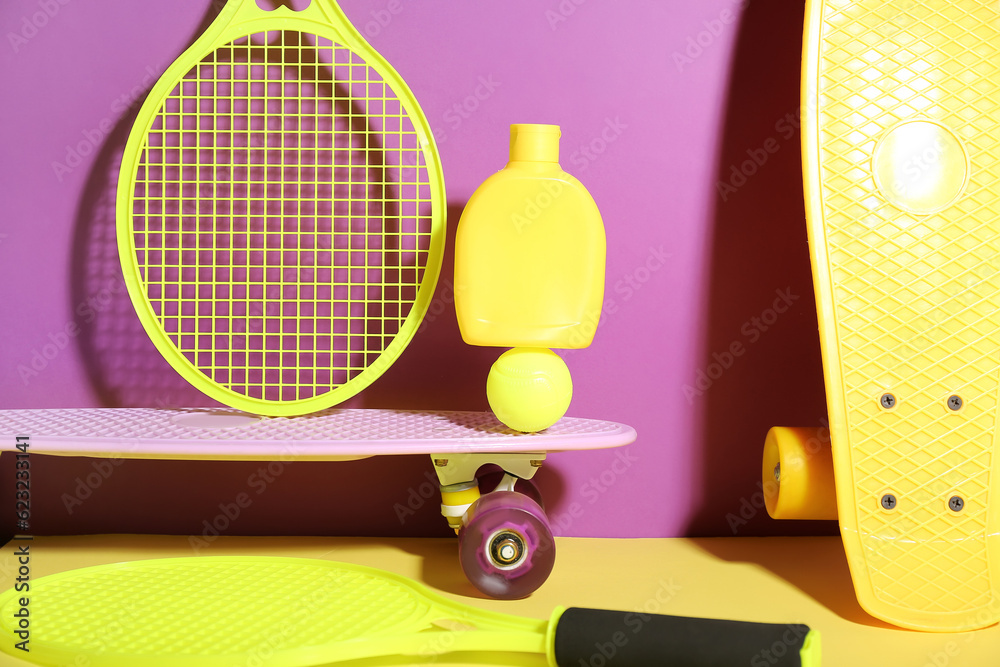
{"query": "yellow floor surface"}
{"type": "Point", "coordinates": [780, 579]}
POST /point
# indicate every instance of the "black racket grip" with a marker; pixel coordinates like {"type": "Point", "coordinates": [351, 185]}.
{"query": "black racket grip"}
{"type": "Point", "coordinates": [597, 638]}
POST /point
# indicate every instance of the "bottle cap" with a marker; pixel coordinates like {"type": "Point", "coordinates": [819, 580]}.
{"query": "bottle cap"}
{"type": "Point", "coordinates": [534, 143]}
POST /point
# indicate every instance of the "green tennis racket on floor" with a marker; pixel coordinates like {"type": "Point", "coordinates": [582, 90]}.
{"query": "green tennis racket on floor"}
{"type": "Point", "coordinates": [280, 210]}
{"type": "Point", "coordinates": [292, 612]}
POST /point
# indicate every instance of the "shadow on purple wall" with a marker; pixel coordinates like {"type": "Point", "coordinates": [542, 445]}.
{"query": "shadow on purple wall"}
{"type": "Point", "coordinates": [374, 497]}
{"type": "Point", "coordinates": [123, 366]}
{"type": "Point", "coordinates": [379, 496]}
{"type": "Point", "coordinates": [762, 366]}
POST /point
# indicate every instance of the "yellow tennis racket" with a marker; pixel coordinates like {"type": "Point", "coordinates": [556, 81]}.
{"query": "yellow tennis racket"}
{"type": "Point", "coordinates": [280, 210]}
{"type": "Point", "coordinates": [293, 612]}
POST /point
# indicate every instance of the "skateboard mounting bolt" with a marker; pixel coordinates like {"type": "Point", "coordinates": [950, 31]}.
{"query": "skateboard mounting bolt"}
{"type": "Point", "coordinates": [955, 402]}
{"type": "Point", "coordinates": [956, 503]}
{"type": "Point", "coordinates": [889, 501]}
{"type": "Point", "coordinates": [888, 401]}
{"type": "Point", "coordinates": [440, 463]}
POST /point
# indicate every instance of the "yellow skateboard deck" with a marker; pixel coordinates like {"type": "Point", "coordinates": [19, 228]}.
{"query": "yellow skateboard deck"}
{"type": "Point", "coordinates": [900, 148]}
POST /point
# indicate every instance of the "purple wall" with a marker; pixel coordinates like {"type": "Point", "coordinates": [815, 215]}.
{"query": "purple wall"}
{"type": "Point", "coordinates": [659, 101]}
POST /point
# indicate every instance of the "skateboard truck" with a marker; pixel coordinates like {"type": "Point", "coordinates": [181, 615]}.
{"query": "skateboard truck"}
{"type": "Point", "coordinates": [459, 487]}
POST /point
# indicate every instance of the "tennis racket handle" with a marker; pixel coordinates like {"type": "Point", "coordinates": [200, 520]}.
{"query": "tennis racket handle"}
{"type": "Point", "coordinates": [595, 638]}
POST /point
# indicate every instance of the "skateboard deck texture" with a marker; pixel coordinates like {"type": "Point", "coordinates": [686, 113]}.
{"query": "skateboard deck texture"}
{"type": "Point", "coordinates": [331, 434]}
{"type": "Point", "coordinates": [900, 145]}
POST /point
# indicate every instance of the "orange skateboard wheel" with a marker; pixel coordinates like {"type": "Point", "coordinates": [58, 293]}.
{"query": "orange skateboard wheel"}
{"type": "Point", "coordinates": [797, 473]}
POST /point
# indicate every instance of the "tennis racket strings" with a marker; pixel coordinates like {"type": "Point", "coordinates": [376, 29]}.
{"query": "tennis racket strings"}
{"type": "Point", "coordinates": [282, 216]}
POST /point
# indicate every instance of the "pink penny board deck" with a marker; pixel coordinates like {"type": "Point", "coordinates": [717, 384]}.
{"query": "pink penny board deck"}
{"type": "Point", "coordinates": [225, 434]}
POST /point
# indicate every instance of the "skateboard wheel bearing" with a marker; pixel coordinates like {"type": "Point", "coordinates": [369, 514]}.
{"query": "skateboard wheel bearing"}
{"type": "Point", "coordinates": [506, 549]}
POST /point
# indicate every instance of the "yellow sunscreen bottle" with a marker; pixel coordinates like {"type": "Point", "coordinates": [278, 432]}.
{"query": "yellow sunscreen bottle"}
{"type": "Point", "coordinates": [530, 252]}
{"type": "Point", "coordinates": [529, 274]}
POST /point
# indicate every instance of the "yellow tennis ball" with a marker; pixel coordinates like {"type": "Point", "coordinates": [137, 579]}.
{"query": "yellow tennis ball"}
{"type": "Point", "coordinates": [529, 388]}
